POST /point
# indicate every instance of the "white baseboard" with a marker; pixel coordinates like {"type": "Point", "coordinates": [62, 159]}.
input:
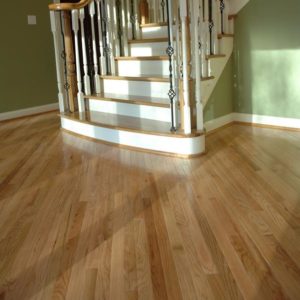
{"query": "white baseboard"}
{"type": "Point", "coordinates": [219, 122]}
{"type": "Point", "coordinates": [267, 120]}
{"type": "Point", "coordinates": [28, 111]}
{"type": "Point", "coordinates": [252, 119]}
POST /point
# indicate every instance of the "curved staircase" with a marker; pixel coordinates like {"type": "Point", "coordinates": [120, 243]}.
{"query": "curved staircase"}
{"type": "Point", "coordinates": [129, 103]}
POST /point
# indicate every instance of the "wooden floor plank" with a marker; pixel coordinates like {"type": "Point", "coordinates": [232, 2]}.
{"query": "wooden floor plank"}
{"type": "Point", "coordinates": [84, 220]}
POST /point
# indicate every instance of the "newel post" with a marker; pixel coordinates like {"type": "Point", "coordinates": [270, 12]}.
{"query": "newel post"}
{"type": "Point", "coordinates": [187, 82]}
{"type": "Point", "coordinates": [70, 61]}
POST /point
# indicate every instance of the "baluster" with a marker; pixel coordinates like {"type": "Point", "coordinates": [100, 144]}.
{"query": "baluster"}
{"type": "Point", "coordinates": [204, 42]}
{"type": "Point", "coordinates": [124, 28]}
{"type": "Point", "coordinates": [115, 27]}
{"type": "Point", "coordinates": [185, 44]}
{"type": "Point", "coordinates": [144, 12]}
{"type": "Point", "coordinates": [75, 26]}
{"type": "Point", "coordinates": [222, 8]}
{"type": "Point", "coordinates": [196, 23]}
{"type": "Point", "coordinates": [58, 48]}
{"type": "Point", "coordinates": [103, 68]}
{"type": "Point", "coordinates": [110, 40]}
{"type": "Point", "coordinates": [71, 84]}
{"type": "Point", "coordinates": [86, 77]}
{"type": "Point", "coordinates": [95, 59]}
{"type": "Point", "coordinates": [170, 52]}
{"type": "Point", "coordinates": [163, 10]}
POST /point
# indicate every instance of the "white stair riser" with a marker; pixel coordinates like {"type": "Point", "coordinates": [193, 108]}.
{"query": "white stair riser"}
{"type": "Point", "coordinates": [148, 49]}
{"type": "Point", "coordinates": [131, 110]}
{"type": "Point", "coordinates": [154, 32]}
{"type": "Point", "coordinates": [173, 145]}
{"type": "Point", "coordinates": [138, 88]}
{"type": "Point", "coordinates": [138, 68]}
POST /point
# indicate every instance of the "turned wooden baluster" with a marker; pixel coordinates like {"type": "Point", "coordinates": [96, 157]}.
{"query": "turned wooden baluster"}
{"type": "Point", "coordinates": [70, 61]}
{"type": "Point", "coordinates": [75, 27]}
{"type": "Point", "coordinates": [58, 48]}
{"type": "Point", "coordinates": [186, 85]}
{"type": "Point", "coordinates": [144, 12]}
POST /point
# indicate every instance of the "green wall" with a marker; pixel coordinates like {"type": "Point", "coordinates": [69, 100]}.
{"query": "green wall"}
{"type": "Point", "coordinates": [267, 58]}
{"type": "Point", "coordinates": [220, 102]}
{"type": "Point", "coordinates": [27, 65]}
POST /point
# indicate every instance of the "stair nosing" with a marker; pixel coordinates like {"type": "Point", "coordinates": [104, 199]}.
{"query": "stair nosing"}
{"type": "Point", "coordinates": [140, 131]}
{"type": "Point", "coordinates": [137, 102]}
{"type": "Point", "coordinates": [133, 78]}
{"type": "Point", "coordinates": [144, 41]}
{"type": "Point", "coordinates": [159, 24]}
{"type": "Point", "coordinates": [129, 58]}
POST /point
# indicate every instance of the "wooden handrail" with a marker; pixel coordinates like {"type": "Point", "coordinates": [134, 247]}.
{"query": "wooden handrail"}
{"type": "Point", "coordinates": [69, 6]}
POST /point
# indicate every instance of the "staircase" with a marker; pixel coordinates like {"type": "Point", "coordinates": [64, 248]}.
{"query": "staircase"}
{"type": "Point", "coordinates": [118, 84]}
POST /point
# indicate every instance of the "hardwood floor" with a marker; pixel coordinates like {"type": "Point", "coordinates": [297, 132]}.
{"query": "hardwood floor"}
{"type": "Point", "coordinates": [83, 220]}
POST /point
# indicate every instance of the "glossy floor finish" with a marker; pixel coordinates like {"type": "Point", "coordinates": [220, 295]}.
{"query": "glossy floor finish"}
{"type": "Point", "coordinates": [83, 220]}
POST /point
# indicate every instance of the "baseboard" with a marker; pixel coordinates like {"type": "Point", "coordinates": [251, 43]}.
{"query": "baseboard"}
{"type": "Point", "coordinates": [28, 111]}
{"type": "Point", "coordinates": [218, 123]}
{"type": "Point", "coordinates": [255, 120]}
{"type": "Point", "coordinates": [276, 122]}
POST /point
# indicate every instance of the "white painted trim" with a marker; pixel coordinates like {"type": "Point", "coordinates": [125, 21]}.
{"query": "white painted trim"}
{"type": "Point", "coordinates": [28, 111]}
{"type": "Point", "coordinates": [219, 122]}
{"type": "Point", "coordinates": [252, 119]}
{"type": "Point", "coordinates": [267, 120]}
{"type": "Point", "coordinates": [173, 145]}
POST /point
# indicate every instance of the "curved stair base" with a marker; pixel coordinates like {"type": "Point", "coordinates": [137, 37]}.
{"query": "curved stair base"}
{"type": "Point", "coordinates": [169, 144]}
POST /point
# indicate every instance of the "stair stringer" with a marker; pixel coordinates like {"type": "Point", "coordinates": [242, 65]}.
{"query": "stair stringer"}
{"type": "Point", "coordinates": [216, 68]}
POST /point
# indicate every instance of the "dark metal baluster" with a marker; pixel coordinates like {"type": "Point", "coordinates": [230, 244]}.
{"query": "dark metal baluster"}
{"type": "Point", "coordinates": [222, 8]}
{"type": "Point", "coordinates": [211, 26]}
{"type": "Point", "coordinates": [132, 19]}
{"type": "Point", "coordinates": [170, 51]}
{"type": "Point", "coordinates": [163, 4]}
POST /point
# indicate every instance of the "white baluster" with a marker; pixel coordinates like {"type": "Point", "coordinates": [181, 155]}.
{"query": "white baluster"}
{"type": "Point", "coordinates": [137, 18]}
{"type": "Point", "coordinates": [186, 95]}
{"type": "Point", "coordinates": [95, 59]}
{"type": "Point", "coordinates": [75, 27]}
{"type": "Point", "coordinates": [58, 48]}
{"type": "Point", "coordinates": [86, 77]}
{"type": "Point", "coordinates": [196, 29]}
{"type": "Point", "coordinates": [110, 40]}
{"type": "Point", "coordinates": [124, 28]}
{"type": "Point", "coordinates": [103, 67]}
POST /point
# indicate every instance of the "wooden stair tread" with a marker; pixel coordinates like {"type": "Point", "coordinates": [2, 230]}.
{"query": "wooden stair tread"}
{"type": "Point", "coordinates": [152, 78]}
{"type": "Point", "coordinates": [159, 24]}
{"type": "Point", "coordinates": [126, 123]}
{"type": "Point", "coordinates": [159, 57]}
{"type": "Point", "coordinates": [212, 56]}
{"type": "Point", "coordinates": [232, 16]}
{"type": "Point", "coordinates": [131, 99]}
{"type": "Point", "coordinates": [153, 40]}
{"type": "Point", "coordinates": [149, 78]}
{"type": "Point", "coordinates": [225, 35]}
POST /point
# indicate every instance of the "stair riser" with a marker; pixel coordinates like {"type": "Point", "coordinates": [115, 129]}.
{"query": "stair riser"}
{"type": "Point", "coordinates": [139, 68]}
{"type": "Point", "coordinates": [154, 32]}
{"type": "Point", "coordinates": [170, 145]}
{"type": "Point", "coordinates": [148, 49]}
{"type": "Point", "coordinates": [131, 110]}
{"type": "Point", "coordinates": [138, 88]}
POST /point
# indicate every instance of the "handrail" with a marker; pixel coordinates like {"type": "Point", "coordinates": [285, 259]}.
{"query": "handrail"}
{"type": "Point", "coordinates": [69, 6]}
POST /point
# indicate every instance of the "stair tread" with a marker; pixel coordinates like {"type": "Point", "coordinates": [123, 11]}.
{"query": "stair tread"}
{"type": "Point", "coordinates": [157, 57]}
{"type": "Point", "coordinates": [222, 35]}
{"type": "Point", "coordinates": [154, 78]}
{"type": "Point", "coordinates": [152, 40]}
{"type": "Point", "coordinates": [159, 24]}
{"type": "Point", "coordinates": [142, 100]}
{"type": "Point", "coordinates": [212, 56]}
{"type": "Point", "coordinates": [126, 123]}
